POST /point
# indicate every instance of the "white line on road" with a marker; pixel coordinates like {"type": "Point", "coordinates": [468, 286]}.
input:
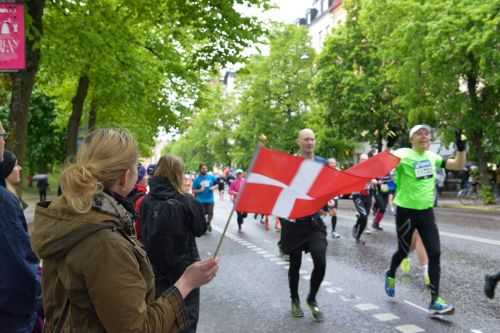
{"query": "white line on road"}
{"type": "Point", "coordinates": [385, 316]}
{"type": "Point", "coordinates": [366, 307]}
{"type": "Point", "coordinates": [409, 329]}
{"type": "Point", "coordinates": [416, 306]}
{"type": "Point", "coordinates": [326, 283]}
{"type": "Point", "coordinates": [331, 290]}
{"type": "Point", "coordinates": [476, 331]}
{"type": "Point", "coordinates": [443, 233]}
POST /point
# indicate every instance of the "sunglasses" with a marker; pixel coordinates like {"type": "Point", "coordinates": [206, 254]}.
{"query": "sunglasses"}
{"type": "Point", "coordinates": [4, 135]}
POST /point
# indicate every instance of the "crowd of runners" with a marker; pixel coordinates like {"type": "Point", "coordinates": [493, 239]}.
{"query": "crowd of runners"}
{"type": "Point", "coordinates": [110, 264]}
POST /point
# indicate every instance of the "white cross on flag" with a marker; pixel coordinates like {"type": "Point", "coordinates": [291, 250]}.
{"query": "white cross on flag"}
{"type": "Point", "coordinates": [292, 187]}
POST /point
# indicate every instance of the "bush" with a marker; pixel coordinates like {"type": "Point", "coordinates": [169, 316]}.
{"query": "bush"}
{"type": "Point", "coordinates": [487, 196]}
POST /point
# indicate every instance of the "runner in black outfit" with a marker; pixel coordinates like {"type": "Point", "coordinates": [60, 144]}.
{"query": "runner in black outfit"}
{"type": "Point", "coordinates": [307, 234]}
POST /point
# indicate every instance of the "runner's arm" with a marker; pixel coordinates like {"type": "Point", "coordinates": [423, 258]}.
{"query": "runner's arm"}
{"type": "Point", "coordinates": [457, 163]}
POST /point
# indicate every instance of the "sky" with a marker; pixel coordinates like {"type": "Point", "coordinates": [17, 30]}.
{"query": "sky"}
{"type": "Point", "coordinates": [287, 11]}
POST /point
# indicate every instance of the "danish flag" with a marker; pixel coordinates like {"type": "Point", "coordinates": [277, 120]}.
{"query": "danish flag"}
{"type": "Point", "coordinates": [292, 187]}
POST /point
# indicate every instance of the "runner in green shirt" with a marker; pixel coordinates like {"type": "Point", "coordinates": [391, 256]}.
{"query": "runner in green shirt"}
{"type": "Point", "coordinates": [415, 179]}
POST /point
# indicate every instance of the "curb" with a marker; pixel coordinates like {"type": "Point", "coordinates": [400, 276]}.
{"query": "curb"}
{"type": "Point", "coordinates": [491, 209]}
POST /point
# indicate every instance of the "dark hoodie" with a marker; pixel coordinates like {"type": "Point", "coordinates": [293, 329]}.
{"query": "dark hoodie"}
{"type": "Point", "coordinates": [170, 223]}
{"type": "Point", "coordinates": [95, 271]}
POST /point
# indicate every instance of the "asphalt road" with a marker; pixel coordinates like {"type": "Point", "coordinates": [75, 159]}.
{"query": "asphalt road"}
{"type": "Point", "coordinates": [250, 292]}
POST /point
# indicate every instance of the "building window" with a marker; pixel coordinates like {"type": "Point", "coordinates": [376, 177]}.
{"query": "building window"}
{"type": "Point", "coordinates": [324, 6]}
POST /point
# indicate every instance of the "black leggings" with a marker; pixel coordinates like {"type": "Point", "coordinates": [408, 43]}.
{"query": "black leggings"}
{"type": "Point", "coordinates": [362, 203]}
{"type": "Point", "coordinates": [318, 254]}
{"type": "Point", "coordinates": [407, 220]}
{"type": "Point", "coordinates": [381, 200]}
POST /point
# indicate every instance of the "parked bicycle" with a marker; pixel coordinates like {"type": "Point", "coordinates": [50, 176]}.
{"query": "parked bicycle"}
{"type": "Point", "coordinates": [469, 195]}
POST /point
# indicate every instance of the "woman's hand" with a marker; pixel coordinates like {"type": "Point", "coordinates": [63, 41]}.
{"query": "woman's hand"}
{"type": "Point", "coordinates": [196, 275]}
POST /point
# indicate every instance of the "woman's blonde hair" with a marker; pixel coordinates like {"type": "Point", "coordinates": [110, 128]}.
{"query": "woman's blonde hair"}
{"type": "Point", "coordinates": [104, 156]}
{"type": "Point", "coordinates": [172, 168]}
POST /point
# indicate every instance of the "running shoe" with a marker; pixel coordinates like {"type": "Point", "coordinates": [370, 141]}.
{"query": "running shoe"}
{"type": "Point", "coordinates": [390, 285]}
{"type": "Point", "coordinates": [316, 312]}
{"type": "Point", "coordinates": [440, 307]}
{"type": "Point", "coordinates": [209, 228]}
{"type": "Point", "coordinates": [377, 227]}
{"type": "Point", "coordinates": [296, 309]}
{"type": "Point", "coordinates": [489, 286]}
{"type": "Point", "coordinates": [406, 265]}
{"type": "Point", "coordinates": [335, 235]}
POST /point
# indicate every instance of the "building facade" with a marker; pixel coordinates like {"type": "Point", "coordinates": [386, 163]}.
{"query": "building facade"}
{"type": "Point", "coordinates": [321, 18]}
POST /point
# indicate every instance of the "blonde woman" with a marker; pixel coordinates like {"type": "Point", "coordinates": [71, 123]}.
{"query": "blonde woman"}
{"type": "Point", "coordinates": [170, 221]}
{"type": "Point", "coordinates": [96, 278]}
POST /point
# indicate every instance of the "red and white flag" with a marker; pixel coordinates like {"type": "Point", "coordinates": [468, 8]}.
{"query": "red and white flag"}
{"type": "Point", "coordinates": [292, 187]}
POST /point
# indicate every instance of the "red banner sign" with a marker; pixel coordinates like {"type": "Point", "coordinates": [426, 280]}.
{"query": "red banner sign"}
{"type": "Point", "coordinates": [12, 43]}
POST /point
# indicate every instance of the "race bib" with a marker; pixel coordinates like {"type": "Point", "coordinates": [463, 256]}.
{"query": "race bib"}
{"type": "Point", "coordinates": [423, 169]}
{"type": "Point", "coordinates": [384, 188]}
{"type": "Point", "coordinates": [206, 183]}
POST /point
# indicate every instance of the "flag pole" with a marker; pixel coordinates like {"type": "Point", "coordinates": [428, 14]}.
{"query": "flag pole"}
{"type": "Point", "coordinates": [262, 140]}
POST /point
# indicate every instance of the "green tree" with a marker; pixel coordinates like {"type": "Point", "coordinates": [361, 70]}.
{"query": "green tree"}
{"type": "Point", "coordinates": [208, 134]}
{"type": "Point", "coordinates": [117, 49]}
{"type": "Point", "coordinates": [45, 138]}
{"type": "Point", "coordinates": [356, 99]}
{"type": "Point", "coordinates": [443, 57]}
{"type": "Point", "coordinates": [275, 93]}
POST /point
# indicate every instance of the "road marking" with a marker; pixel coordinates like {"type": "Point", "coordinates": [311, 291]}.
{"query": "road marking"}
{"type": "Point", "coordinates": [268, 255]}
{"type": "Point", "coordinates": [282, 263]}
{"type": "Point", "coordinates": [331, 290]}
{"type": "Point", "coordinates": [326, 283]}
{"type": "Point", "coordinates": [350, 298]}
{"type": "Point", "coordinates": [476, 331]}
{"type": "Point", "coordinates": [366, 307]}
{"type": "Point", "coordinates": [303, 271]}
{"type": "Point", "coordinates": [306, 277]}
{"type": "Point", "coordinates": [409, 329]}
{"type": "Point", "coordinates": [385, 316]}
{"type": "Point", "coordinates": [416, 306]}
{"type": "Point", "coordinates": [443, 233]}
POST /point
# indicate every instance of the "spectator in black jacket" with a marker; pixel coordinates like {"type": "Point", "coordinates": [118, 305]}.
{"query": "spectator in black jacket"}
{"type": "Point", "coordinates": [171, 219]}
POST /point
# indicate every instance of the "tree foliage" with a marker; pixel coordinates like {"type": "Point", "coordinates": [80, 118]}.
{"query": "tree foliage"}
{"type": "Point", "coordinates": [443, 58]}
{"type": "Point", "coordinates": [357, 99]}
{"type": "Point", "coordinates": [208, 135]}
{"type": "Point", "coordinates": [275, 94]}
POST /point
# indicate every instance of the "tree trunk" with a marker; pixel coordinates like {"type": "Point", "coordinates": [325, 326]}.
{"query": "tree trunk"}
{"type": "Point", "coordinates": [92, 114]}
{"type": "Point", "coordinates": [481, 158]}
{"type": "Point", "coordinates": [477, 132]}
{"type": "Point", "coordinates": [23, 82]}
{"type": "Point", "coordinates": [76, 115]}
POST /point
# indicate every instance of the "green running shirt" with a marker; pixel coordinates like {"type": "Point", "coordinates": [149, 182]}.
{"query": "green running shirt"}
{"type": "Point", "coordinates": [416, 178]}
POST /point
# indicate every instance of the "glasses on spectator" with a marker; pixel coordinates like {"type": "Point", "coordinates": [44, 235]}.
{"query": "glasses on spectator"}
{"type": "Point", "coordinates": [4, 135]}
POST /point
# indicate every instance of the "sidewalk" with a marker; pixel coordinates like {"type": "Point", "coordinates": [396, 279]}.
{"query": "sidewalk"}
{"type": "Point", "coordinates": [454, 203]}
